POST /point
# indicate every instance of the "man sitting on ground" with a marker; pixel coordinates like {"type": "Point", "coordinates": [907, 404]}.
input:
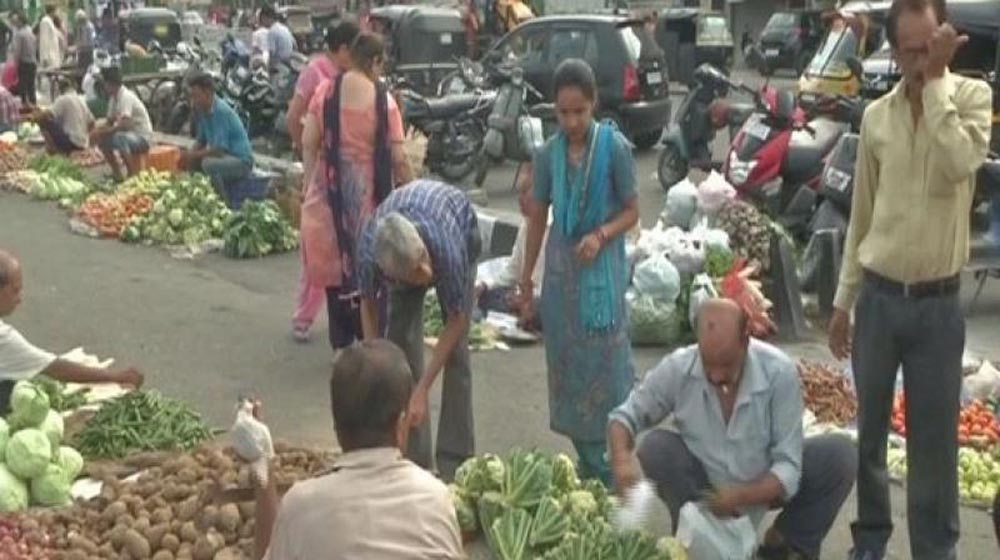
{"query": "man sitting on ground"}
{"type": "Point", "coordinates": [223, 148]}
{"type": "Point", "coordinates": [737, 406]}
{"type": "Point", "coordinates": [20, 360]}
{"type": "Point", "coordinates": [66, 125]}
{"type": "Point", "coordinates": [374, 504]}
{"type": "Point", "coordinates": [10, 110]}
{"type": "Point", "coordinates": [126, 129]}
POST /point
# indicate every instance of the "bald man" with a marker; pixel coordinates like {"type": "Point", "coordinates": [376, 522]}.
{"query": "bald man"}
{"type": "Point", "coordinates": [19, 359]}
{"type": "Point", "coordinates": [737, 407]}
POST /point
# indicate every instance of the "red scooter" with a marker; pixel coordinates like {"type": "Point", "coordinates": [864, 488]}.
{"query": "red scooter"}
{"type": "Point", "coordinates": [776, 160]}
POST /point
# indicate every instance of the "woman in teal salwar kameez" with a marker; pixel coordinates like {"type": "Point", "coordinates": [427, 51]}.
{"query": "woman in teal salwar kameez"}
{"type": "Point", "coordinates": [586, 174]}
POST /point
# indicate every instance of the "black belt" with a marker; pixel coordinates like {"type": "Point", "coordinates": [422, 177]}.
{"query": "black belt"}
{"type": "Point", "coordinates": [930, 288]}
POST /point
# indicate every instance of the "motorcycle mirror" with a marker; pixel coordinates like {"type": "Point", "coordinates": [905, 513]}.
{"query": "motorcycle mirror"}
{"type": "Point", "coordinates": [857, 70]}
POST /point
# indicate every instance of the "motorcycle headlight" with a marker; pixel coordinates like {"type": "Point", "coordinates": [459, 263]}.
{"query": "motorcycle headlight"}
{"type": "Point", "coordinates": [739, 170]}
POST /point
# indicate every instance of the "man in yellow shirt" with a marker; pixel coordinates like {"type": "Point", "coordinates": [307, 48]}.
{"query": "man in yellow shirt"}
{"type": "Point", "coordinates": [908, 239]}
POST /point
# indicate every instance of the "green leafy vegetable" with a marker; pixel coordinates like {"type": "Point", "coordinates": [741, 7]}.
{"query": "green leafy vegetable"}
{"type": "Point", "coordinates": [4, 436]}
{"type": "Point", "coordinates": [70, 461]}
{"type": "Point", "coordinates": [464, 509]}
{"type": "Point", "coordinates": [550, 523]}
{"type": "Point", "coordinates": [28, 453]}
{"type": "Point", "coordinates": [13, 492]}
{"type": "Point", "coordinates": [53, 428]}
{"type": "Point", "coordinates": [490, 507]}
{"type": "Point", "coordinates": [718, 260]}
{"type": "Point", "coordinates": [29, 405]}
{"type": "Point", "coordinates": [186, 211]}
{"type": "Point", "coordinates": [61, 400]}
{"type": "Point", "coordinates": [51, 488]}
{"type": "Point", "coordinates": [58, 166]}
{"type": "Point", "coordinates": [528, 478]}
{"type": "Point", "coordinates": [510, 535]}
{"type": "Point", "coordinates": [564, 475]}
{"type": "Point", "coordinates": [258, 229]}
{"type": "Point", "coordinates": [481, 474]}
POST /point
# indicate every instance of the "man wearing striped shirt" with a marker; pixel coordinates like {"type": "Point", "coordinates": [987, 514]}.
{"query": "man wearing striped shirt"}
{"type": "Point", "coordinates": [426, 234]}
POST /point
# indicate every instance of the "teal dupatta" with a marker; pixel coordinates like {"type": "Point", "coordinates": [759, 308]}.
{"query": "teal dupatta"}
{"type": "Point", "coordinates": [579, 207]}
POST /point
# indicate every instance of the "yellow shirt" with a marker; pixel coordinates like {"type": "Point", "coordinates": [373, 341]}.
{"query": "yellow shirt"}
{"type": "Point", "coordinates": [913, 184]}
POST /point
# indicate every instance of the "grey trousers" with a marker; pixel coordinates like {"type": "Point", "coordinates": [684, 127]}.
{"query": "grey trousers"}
{"type": "Point", "coordinates": [829, 463]}
{"type": "Point", "coordinates": [927, 337]}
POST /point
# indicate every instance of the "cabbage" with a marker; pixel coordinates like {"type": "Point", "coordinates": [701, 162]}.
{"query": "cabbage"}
{"type": "Point", "coordinates": [29, 405]}
{"type": "Point", "coordinates": [52, 427]}
{"type": "Point", "coordinates": [564, 476]}
{"type": "Point", "coordinates": [28, 453]}
{"type": "Point", "coordinates": [51, 488]}
{"type": "Point", "coordinates": [13, 492]}
{"type": "Point", "coordinates": [4, 436]}
{"type": "Point", "coordinates": [464, 509]}
{"type": "Point", "coordinates": [581, 503]}
{"type": "Point", "coordinates": [70, 461]}
{"type": "Point", "coordinates": [480, 474]}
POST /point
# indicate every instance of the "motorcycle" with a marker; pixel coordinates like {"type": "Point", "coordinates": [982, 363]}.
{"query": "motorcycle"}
{"type": "Point", "coordinates": [454, 125]}
{"type": "Point", "coordinates": [777, 158]}
{"type": "Point", "coordinates": [512, 131]}
{"type": "Point", "coordinates": [700, 115]}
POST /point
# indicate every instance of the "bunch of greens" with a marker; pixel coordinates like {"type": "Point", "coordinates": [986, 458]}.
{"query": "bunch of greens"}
{"type": "Point", "coordinates": [187, 212]}
{"type": "Point", "coordinates": [58, 166]}
{"type": "Point", "coordinates": [533, 505]}
{"type": "Point", "coordinates": [258, 229]}
{"type": "Point", "coordinates": [61, 400]}
{"type": "Point", "coordinates": [718, 260]}
{"type": "Point", "coordinates": [141, 421]}
{"type": "Point", "coordinates": [434, 321]}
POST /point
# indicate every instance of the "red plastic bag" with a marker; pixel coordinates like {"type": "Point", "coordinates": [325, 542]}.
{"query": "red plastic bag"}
{"type": "Point", "coordinates": [9, 77]}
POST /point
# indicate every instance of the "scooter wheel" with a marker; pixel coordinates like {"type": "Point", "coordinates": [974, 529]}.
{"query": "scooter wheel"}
{"type": "Point", "coordinates": [672, 167]}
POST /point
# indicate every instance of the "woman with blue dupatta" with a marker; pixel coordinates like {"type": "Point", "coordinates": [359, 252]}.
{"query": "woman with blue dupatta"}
{"type": "Point", "coordinates": [586, 174]}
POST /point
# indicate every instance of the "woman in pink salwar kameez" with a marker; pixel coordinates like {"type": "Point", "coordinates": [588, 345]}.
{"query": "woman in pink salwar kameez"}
{"type": "Point", "coordinates": [353, 155]}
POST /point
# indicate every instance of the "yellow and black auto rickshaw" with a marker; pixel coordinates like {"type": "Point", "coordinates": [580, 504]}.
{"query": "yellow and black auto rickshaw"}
{"type": "Point", "coordinates": [690, 37]}
{"type": "Point", "coordinates": [856, 30]}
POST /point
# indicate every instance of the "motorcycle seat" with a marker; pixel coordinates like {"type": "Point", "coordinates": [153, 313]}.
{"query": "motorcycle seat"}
{"type": "Point", "coordinates": [740, 112]}
{"type": "Point", "coordinates": [544, 111]}
{"type": "Point", "coordinates": [807, 149]}
{"type": "Point", "coordinates": [450, 105]}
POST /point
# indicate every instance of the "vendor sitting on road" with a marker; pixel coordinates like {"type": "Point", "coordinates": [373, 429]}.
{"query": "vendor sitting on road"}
{"type": "Point", "coordinates": [126, 129]}
{"type": "Point", "coordinates": [375, 504]}
{"type": "Point", "coordinates": [10, 110]}
{"type": "Point", "coordinates": [67, 123]}
{"type": "Point", "coordinates": [737, 406]}
{"type": "Point", "coordinates": [426, 234]}
{"type": "Point", "coordinates": [222, 150]}
{"type": "Point", "coordinates": [20, 360]}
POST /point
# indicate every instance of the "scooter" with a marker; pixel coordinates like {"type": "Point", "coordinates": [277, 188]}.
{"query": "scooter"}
{"type": "Point", "coordinates": [454, 126]}
{"type": "Point", "coordinates": [512, 131]}
{"type": "Point", "coordinates": [687, 143]}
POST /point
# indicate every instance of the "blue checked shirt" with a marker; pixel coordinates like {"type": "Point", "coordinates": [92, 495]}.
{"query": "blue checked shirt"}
{"type": "Point", "coordinates": [764, 433]}
{"type": "Point", "coordinates": [447, 224]}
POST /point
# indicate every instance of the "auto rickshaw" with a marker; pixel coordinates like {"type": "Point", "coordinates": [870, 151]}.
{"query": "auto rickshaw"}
{"type": "Point", "coordinates": [424, 43]}
{"type": "Point", "coordinates": [146, 25]}
{"type": "Point", "coordinates": [691, 37]}
{"type": "Point", "coordinates": [854, 31]}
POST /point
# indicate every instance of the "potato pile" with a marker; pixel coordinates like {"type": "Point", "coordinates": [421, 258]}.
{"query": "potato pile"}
{"type": "Point", "coordinates": [168, 512]}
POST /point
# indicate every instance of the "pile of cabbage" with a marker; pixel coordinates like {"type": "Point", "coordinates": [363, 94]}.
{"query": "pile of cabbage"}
{"type": "Point", "coordinates": [533, 505]}
{"type": "Point", "coordinates": [35, 468]}
{"type": "Point", "coordinates": [186, 211]}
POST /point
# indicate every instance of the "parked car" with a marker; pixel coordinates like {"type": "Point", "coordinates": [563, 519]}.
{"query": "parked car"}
{"type": "Point", "coordinates": [691, 37]}
{"type": "Point", "coordinates": [790, 39]}
{"type": "Point", "coordinates": [632, 88]}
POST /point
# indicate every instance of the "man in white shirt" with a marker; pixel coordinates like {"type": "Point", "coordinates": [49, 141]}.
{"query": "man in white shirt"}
{"type": "Point", "coordinates": [280, 41]}
{"type": "Point", "coordinates": [20, 360]}
{"type": "Point", "coordinates": [259, 41]}
{"type": "Point", "coordinates": [375, 504]}
{"type": "Point", "coordinates": [66, 125]}
{"type": "Point", "coordinates": [49, 49]}
{"type": "Point", "coordinates": [126, 129]}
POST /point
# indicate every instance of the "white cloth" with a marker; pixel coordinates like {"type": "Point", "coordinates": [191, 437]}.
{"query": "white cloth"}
{"type": "Point", "coordinates": [49, 51]}
{"type": "Point", "coordinates": [376, 505]}
{"type": "Point", "coordinates": [260, 43]}
{"type": "Point", "coordinates": [126, 103]}
{"type": "Point", "coordinates": [74, 117]}
{"type": "Point", "coordinates": [19, 359]}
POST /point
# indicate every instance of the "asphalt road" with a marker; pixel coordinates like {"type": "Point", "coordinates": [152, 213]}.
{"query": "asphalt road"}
{"type": "Point", "coordinates": [210, 329]}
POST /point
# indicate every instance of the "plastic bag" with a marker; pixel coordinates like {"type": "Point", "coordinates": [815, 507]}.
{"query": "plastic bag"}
{"type": "Point", "coordinates": [713, 193]}
{"type": "Point", "coordinates": [702, 290]}
{"type": "Point", "coordinates": [687, 254]}
{"type": "Point", "coordinates": [682, 201]}
{"type": "Point", "coordinates": [983, 384]}
{"type": "Point", "coordinates": [657, 278]}
{"type": "Point", "coordinates": [706, 537]}
{"type": "Point", "coordinates": [652, 323]}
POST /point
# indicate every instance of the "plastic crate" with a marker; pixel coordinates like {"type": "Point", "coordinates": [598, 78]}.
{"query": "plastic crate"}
{"type": "Point", "coordinates": [255, 187]}
{"type": "Point", "coordinates": [141, 65]}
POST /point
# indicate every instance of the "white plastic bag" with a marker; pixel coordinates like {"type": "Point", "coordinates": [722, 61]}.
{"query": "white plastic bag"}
{"type": "Point", "coordinates": [713, 193]}
{"type": "Point", "coordinates": [636, 510]}
{"type": "Point", "coordinates": [983, 384]}
{"type": "Point", "coordinates": [706, 537]}
{"type": "Point", "coordinates": [657, 278]}
{"type": "Point", "coordinates": [682, 201]}
{"type": "Point", "coordinates": [702, 290]}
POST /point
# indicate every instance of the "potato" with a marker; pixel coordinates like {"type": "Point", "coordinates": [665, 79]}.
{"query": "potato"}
{"type": "Point", "coordinates": [187, 476]}
{"type": "Point", "coordinates": [187, 509]}
{"type": "Point", "coordinates": [246, 530]}
{"type": "Point", "coordinates": [126, 520]}
{"type": "Point", "coordinates": [75, 555]}
{"type": "Point", "coordinates": [229, 518]}
{"type": "Point", "coordinates": [117, 536]}
{"type": "Point", "coordinates": [106, 551]}
{"type": "Point", "coordinates": [155, 534]}
{"type": "Point", "coordinates": [188, 532]}
{"type": "Point", "coordinates": [114, 511]}
{"type": "Point", "coordinates": [136, 545]}
{"type": "Point", "coordinates": [206, 546]}
{"type": "Point", "coordinates": [83, 544]}
{"type": "Point", "coordinates": [163, 555]}
{"type": "Point", "coordinates": [170, 542]}
{"type": "Point", "coordinates": [184, 551]}
{"type": "Point", "coordinates": [247, 509]}
{"type": "Point", "coordinates": [228, 553]}
{"type": "Point", "coordinates": [142, 525]}
{"type": "Point", "coordinates": [209, 517]}
{"type": "Point", "coordinates": [163, 515]}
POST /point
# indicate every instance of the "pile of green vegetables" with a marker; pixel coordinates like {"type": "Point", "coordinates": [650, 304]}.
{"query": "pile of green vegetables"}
{"type": "Point", "coordinates": [258, 229]}
{"type": "Point", "coordinates": [141, 421]}
{"type": "Point", "coordinates": [61, 399]}
{"type": "Point", "coordinates": [58, 166]}
{"type": "Point", "coordinates": [533, 505]}
{"type": "Point", "coordinates": [59, 178]}
{"type": "Point", "coordinates": [36, 469]}
{"type": "Point", "coordinates": [187, 211]}
{"type": "Point", "coordinates": [434, 321]}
